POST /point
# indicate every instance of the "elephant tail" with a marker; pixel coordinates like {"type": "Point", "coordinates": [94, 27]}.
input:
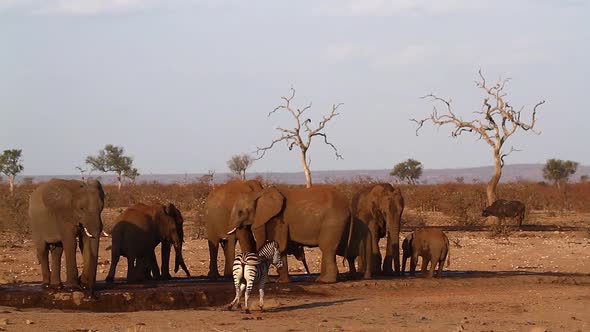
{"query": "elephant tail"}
{"type": "Point", "coordinates": [350, 230]}
{"type": "Point", "coordinates": [448, 253]}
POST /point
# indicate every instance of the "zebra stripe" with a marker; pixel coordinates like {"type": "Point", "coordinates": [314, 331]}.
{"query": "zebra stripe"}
{"type": "Point", "coordinates": [251, 268]}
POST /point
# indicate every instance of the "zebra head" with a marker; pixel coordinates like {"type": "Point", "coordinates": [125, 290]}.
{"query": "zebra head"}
{"type": "Point", "coordinates": [271, 252]}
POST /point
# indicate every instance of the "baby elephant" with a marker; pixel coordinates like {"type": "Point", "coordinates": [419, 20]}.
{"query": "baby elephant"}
{"type": "Point", "coordinates": [432, 245]}
{"type": "Point", "coordinates": [137, 232]}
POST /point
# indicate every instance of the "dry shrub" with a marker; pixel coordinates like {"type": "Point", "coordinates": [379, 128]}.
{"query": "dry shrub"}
{"type": "Point", "coordinates": [502, 230]}
{"type": "Point", "coordinates": [462, 202]}
{"type": "Point", "coordinates": [14, 209]}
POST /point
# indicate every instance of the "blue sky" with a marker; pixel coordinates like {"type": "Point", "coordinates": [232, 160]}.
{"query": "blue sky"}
{"type": "Point", "coordinates": [184, 85]}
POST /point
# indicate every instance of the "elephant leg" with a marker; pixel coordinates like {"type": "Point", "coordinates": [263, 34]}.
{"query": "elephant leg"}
{"type": "Point", "coordinates": [329, 271]}
{"type": "Point", "coordinates": [367, 256]}
{"type": "Point", "coordinates": [392, 254]}
{"type": "Point", "coordinates": [413, 262]}
{"type": "Point", "coordinates": [153, 264]}
{"type": "Point", "coordinates": [362, 255]}
{"type": "Point", "coordinates": [432, 268]}
{"type": "Point", "coordinates": [69, 247]}
{"type": "Point", "coordinates": [165, 251]}
{"type": "Point", "coordinates": [375, 262]}
{"type": "Point", "coordinates": [56, 253]}
{"type": "Point", "coordinates": [43, 257]}
{"type": "Point", "coordinates": [115, 255]}
{"type": "Point", "coordinates": [351, 266]}
{"type": "Point", "coordinates": [405, 260]}
{"type": "Point", "coordinates": [284, 270]}
{"type": "Point", "coordinates": [440, 268]}
{"type": "Point", "coordinates": [213, 250]}
{"type": "Point", "coordinates": [111, 276]}
{"type": "Point", "coordinates": [133, 269]}
{"type": "Point", "coordinates": [230, 253]}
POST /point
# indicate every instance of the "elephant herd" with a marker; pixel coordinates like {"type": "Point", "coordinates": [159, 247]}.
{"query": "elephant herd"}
{"type": "Point", "coordinates": [247, 213]}
{"type": "Point", "coordinates": [67, 213]}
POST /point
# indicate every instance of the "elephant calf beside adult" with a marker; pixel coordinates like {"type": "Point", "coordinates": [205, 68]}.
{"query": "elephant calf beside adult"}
{"type": "Point", "coordinates": [430, 244]}
{"type": "Point", "coordinates": [377, 210]}
{"type": "Point", "coordinates": [60, 211]}
{"type": "Point", "coordinates": [138, 231]}
{"type": "Point", "coordinates": [314, 217]}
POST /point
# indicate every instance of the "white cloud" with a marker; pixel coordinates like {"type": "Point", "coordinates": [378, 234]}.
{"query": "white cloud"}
{"type": "Point", "coordinates": [409, 55]}
{"type": "Point", "coordinates": [96, 7]}
{"type": "Point", "coordinates": [479, 54]}
{"type": "Point", "coordinates": [347, 52]}
{"type": "Point", "coordinates": [82, 7]}
{"type": "Point", "coordinates": [405, 7]}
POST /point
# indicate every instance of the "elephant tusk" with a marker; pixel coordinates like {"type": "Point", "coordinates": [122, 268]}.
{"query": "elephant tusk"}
{"type": "Point", "coordinates": [105, 234]}
{"type": "Point", "coordinates": [231, 232]}
{"type": "Point", "coordinates": [87, 232]}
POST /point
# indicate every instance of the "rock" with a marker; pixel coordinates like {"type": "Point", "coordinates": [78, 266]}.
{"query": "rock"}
{"type": "Point", "coordinates": [4, 321]}
{"type": "Point", "coordinates": [538, 329]}
{"type": "Point", "coordinates": [29, 322]}
{"type": "Point", "coordinates": [77, 297]}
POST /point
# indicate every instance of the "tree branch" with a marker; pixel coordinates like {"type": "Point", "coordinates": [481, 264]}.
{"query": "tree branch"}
{"type": "Point", "coordinates": [512, 149]}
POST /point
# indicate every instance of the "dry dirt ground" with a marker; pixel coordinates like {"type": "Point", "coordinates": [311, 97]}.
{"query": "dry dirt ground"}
{"type": "Point", "coordinates": [529, 281]}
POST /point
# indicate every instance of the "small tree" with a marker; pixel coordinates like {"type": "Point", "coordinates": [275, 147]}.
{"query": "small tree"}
{"type": "Point", "coordinates": [559, 171]}
{"type": "Point", "coordinates": [112, 159]}
{"type": "Point", "coordinates": [302, 134]}
{"type": "Point", "coordinates": [584, 178]}
{"type": "Point", "coordinates": [82, 172]}
{"type": "Point", "coordinates": [498, 121]}
{"type": "Point", "coordinates": [409, 171]}
{"type": "Point", "coordinates": [239, 163]}
{"type": "Point", "coordinates": [11, 165]}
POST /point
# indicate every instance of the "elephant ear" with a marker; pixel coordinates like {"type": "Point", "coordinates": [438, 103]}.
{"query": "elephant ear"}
{"type": "Point", "coordinates": [407, 243]}
{"type": "Point", "coordinates": [254, 185]}
{"type": "Point", "coordinates": [57, 197]}
{"type": "Point", "coordinates": [269, 203]}
{"type": "Point", "coordinates": [96, 184]}
{"type": "Point", "coordinates": [171, 210]}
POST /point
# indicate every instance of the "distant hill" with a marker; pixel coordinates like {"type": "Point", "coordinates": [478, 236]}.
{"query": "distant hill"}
{"type": "Point", "coordinates": [511, 173]}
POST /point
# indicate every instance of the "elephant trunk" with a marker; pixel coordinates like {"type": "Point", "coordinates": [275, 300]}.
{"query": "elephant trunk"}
{"type": "Point", "coordinates": [179, 261]}
{"type": "Point", "coordinates": [393, 219]}
{"type": "Point", "coordinates": [90, 257]}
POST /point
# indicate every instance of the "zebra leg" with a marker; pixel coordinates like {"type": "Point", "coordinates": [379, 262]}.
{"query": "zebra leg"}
{"type": "Point", "coordinates": [261, 305]}
{"type": "Point", "coordinates": [236, 298]}
{"type": "Point", "coordinates": [261, 283]}
{"type": "Point", "coordinates": [247, 295]}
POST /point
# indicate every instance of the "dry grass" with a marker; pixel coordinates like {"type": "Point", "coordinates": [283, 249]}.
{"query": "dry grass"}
{"type": "Point", "coordinates": [453, 203]}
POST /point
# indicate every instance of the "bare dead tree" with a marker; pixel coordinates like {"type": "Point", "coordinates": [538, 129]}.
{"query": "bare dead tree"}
{"type": "Point", "coordinates": [302, 134]}
{"type": "Point", "coordinates": [499, 120]}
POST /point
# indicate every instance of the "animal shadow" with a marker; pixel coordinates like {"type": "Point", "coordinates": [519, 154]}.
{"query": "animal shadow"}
{"type": "Point", "coordinates": [309, 305]}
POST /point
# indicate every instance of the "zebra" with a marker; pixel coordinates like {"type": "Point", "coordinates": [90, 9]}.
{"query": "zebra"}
{"type": "Point", "coordinates": [250, 268]}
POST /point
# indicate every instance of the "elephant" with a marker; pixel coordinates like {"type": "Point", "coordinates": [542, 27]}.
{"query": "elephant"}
{"type": "Point", "coordinates": [299, 253]}
{"type": "Point", "coordinates": [137, 232]}
{"type": "Point", "coordinates": [432, 245]}
{"type": "Point", "coordinates": [312, 217]}
{"type": "Point", "coordinates": [60, 212]}
{"type": "Point", "coordinates": [217, 218]}
{"type": "Point", "coordinates": [377, 211]}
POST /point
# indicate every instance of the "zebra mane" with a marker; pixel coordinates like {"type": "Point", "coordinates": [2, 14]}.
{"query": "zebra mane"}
{"type": "Point", "coordinates": [267, 251]}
